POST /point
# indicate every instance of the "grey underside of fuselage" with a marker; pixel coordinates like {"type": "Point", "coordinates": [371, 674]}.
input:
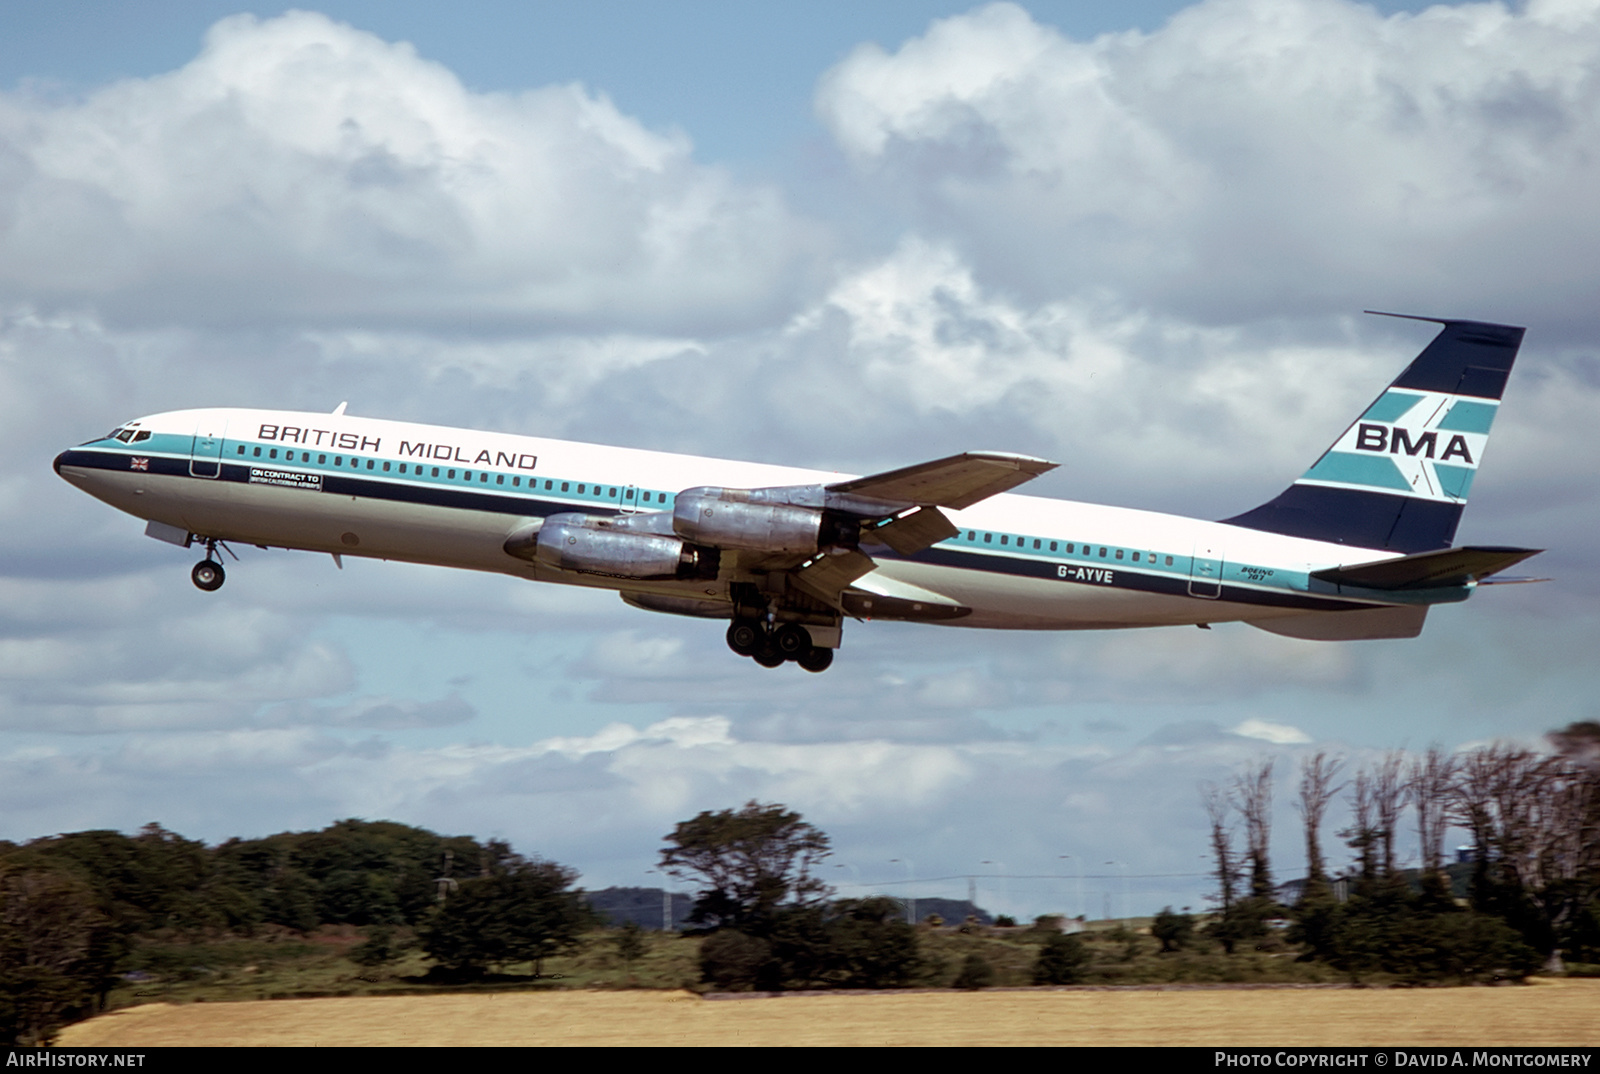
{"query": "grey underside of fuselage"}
{"type": "Point", "coordinates": [1009, 602]}
{"type": "Point", "coordinates": [317, 521]}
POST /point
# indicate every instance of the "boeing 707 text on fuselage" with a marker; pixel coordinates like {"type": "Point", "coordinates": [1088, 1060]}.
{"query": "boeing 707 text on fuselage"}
{"type": "Point", "coordinates": [1360, 546]}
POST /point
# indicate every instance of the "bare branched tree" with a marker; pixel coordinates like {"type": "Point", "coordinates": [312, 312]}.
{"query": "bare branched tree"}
{"type": "Point", "coordinates": [1362, 836]}
{"type": "Point", "coordinates": [1227, 869]}
{"type": "Point", "coordinates": [1535, 823]}
{"type": "Point", "coordinates": [1253, 797]}
{"type": "Point", "coordinates": [1429, 789]}
{"type": "Point", "coordinates": [1388, 799]}
{"type": "Point", "coordinates": [1317, 789]}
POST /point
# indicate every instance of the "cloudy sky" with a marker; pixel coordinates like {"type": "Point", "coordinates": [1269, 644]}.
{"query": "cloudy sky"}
{"type": "Point", "coordinates": [1134, 238]}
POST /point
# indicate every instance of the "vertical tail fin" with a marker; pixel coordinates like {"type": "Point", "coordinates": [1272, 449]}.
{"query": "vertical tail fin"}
{"type": "Point", "coordinates": [1399, 476]}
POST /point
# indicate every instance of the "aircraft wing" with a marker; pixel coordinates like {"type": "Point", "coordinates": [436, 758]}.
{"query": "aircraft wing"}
{"type": "Point", "coordinates": [957, 482]}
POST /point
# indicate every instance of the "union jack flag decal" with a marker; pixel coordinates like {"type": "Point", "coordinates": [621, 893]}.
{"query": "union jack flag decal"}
{"type": "Point", "coordinates": [139, 464]}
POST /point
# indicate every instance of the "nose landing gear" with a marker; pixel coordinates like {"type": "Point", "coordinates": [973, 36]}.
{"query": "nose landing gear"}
{"type": "Point", "coordinates": [772, 647]}
{"type": "Point", "coordinates": [208, 573]}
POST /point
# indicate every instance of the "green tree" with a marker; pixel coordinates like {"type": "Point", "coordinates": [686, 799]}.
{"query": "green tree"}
{"type": "Point", "coordinates": [53, 957]}
{"type": "Point", "coordinates": [871, 945]}
{"type": "Point", "coordinates": [853, 943]}
{"type": "Point", "coordinates": [750, 861]}
{"type": "Point", "coordinates": [733, 961]}
{"type": "Point", "coordinates": [630, 943]}
{"type": "Point", "coordinates": [1063, 959]}
{"type": "Point", "coordinates": [524, 913]}
{"type": "Point", "coordinates": [1173, 930]}
{"type": "Point", "coordinates": [976, 973]}
{"type": "Point", "coordinates": [380, 947]}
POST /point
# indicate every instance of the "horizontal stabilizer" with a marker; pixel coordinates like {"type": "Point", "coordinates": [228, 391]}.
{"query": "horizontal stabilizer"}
{"type": "Point", "coordinates": [957, 482]}
{"type": "Point", "coordinates": [1427, 570]}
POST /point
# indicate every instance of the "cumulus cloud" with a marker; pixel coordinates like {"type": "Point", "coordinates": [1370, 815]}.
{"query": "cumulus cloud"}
{"type": "Point", "coordinates": [1252, 157]}
{"type": "Point", "coordinates": [298, 169]}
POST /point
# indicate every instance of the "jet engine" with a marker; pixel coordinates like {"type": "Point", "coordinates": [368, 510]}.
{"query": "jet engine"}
{"type": "Point", "coordinates": [755, 520]}
{"type": "Point", "coordinates": [593, 545]}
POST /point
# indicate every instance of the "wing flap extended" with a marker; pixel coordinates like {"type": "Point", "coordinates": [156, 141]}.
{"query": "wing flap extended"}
{"type": "Point", "coordinates": [826, 576]}
{"type": "Point", "coordinates": [910, 533]}
{"type": "Point", "coordinates": [1426, 570]}
{"type": "Point", "coordinates": [956, 482]}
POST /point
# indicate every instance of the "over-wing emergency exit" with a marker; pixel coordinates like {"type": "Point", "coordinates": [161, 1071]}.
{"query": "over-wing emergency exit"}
{"type": "Point", "coordinates": [1360, 546]}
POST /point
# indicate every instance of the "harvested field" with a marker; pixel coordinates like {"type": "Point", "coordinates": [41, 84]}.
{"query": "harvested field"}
{"type": "Point", "coordinates": [1554, 1012]}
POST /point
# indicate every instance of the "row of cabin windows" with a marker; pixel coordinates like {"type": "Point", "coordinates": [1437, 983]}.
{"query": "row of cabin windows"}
{"type": "Point", "coordinates": [1071, 547]}
{"type": "Point", "coordinates": [466, 475]}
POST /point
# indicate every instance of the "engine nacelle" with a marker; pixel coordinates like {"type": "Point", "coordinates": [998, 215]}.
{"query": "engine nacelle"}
{"type": "Point", "coordinates": [589, 545]}
{"type": "Point", "coordinates": [738, 518]}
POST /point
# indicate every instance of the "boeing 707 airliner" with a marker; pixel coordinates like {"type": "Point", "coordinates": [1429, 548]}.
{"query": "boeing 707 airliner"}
{"type": "Point", "coordinates": [1360, 546]}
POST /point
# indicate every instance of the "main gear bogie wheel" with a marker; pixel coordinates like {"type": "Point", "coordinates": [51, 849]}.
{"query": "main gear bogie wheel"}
{"type": "Point", "coordinates": [816, 658]}
{"type": "Point", "coordinates": [745, 636]}
{"type": "Point", "coordinates": [791, 639]}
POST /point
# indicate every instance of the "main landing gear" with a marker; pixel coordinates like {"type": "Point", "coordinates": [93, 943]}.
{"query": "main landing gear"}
{"type": "Point", "coordinates": [208, 573]}
{"type": "Point", "coordinates": [772, 646]}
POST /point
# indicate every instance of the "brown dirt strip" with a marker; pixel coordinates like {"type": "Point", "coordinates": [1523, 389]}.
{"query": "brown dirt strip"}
{"type": "Point", "coordinates": [1546, 1012]}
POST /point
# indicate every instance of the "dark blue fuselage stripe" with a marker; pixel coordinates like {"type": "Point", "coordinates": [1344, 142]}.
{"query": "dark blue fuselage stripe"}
{"type": "Point", "coordinates": [400, 491]}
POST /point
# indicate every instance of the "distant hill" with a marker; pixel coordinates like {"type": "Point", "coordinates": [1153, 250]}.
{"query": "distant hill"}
{"type": "Point", "coordinates": [639, 905]}
{"type": "Point", "coordinates": [643, 906]}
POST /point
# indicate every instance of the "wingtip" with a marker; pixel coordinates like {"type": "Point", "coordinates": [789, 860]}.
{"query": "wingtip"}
{"type": "Point", "coordinates": [1029, 463]}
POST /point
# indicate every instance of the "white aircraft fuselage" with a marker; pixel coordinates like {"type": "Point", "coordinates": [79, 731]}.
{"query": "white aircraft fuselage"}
{"type": "Point", "coordinates": [788, 554]}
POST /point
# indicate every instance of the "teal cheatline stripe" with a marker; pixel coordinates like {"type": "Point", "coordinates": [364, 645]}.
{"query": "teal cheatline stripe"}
{"type": "Point", "coordinates": [1373, 471]}
{"type": "Point", "coordinates": [1454, 480]}
{"type": "Point", "coordinates": [1390, 405]}
{"type": "Point", "coordinates": [1469, 417]}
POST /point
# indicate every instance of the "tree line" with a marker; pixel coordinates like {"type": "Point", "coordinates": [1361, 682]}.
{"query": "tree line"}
{"type": "Point", "coordinates": [1528, 897]}
{"type": "Point", "coordinates": [74, 907]}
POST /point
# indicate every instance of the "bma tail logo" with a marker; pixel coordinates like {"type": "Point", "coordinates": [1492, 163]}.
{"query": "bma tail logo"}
{"type": "Point", "coordinates": [1396, 439]}
{"type": "Point", "coordinates": [1420, 444]}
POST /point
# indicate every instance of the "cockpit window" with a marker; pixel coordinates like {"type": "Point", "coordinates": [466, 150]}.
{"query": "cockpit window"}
{"type": "Point", "coordinates": [128, 434]}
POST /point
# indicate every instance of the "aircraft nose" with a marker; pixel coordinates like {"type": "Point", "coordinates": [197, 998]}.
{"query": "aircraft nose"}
{"type": "Point", "coordinates": [57, 463]}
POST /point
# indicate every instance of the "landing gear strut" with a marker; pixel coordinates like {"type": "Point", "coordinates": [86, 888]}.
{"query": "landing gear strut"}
{"type": "Point", "coordinates": [771, 647]}
{"type": "Point", "coordinates": [208, 573]}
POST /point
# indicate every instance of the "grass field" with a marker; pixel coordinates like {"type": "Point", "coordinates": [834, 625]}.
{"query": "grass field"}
{"type": "Point", "coordinates": [1545, 1012]}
